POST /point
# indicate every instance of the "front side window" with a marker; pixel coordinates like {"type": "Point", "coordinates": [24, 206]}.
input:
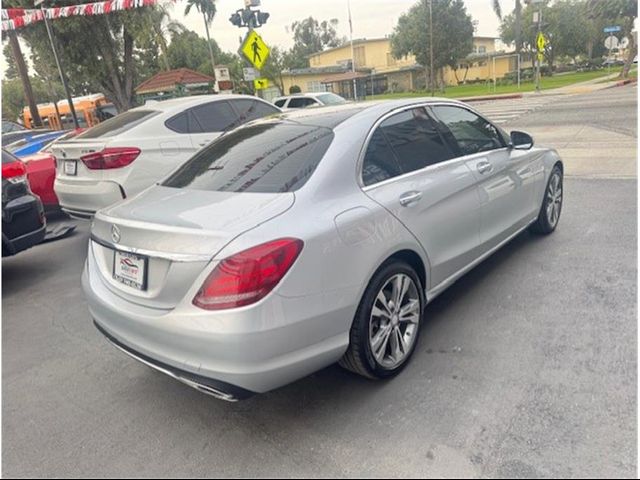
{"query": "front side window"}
{"type": "Point", "coordinates": [472, 133]}
{"type": "Point", "coordinates": [331, 99]}
{"type": "Point", "coordinates": [268, 157]}
{"type": "Point", "coordinates": [213, 117]}
{"type": "Point", "coordinates": [415, 140]}
{"type": "Point", "coordinates": [251, 110]}
{"type": "Point", "coordinates": [301, 102]}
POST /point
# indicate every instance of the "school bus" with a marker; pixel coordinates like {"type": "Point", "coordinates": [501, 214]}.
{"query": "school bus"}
{"type": "Point", "coordinates": [90, 110]}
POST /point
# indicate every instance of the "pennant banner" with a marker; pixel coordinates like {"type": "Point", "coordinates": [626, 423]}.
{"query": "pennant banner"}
{"type": "Point", "coordinates": [13, 18]}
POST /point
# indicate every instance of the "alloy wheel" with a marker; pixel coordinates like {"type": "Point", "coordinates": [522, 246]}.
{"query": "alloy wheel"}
{"type": "Point", "coordinates": [394, 321]}
{"type": "Point", "coordinates": [554, 199]}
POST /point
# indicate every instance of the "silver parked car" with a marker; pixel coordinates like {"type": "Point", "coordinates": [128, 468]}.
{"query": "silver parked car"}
{"type": "Point", "coordinates": [309, 238]}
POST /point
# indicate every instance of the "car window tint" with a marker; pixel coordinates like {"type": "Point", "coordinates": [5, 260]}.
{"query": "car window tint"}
{"type": "Point", "coordinates": [280, 103]}
{"type": "Point", "coordinates": [301, 102]}
{"type": "Point", "coordinates": [415, 140]}
{"type": "Point", "coordinates": [268, 157]}
{"type": "Point", "coordinates": [118, 124]}
{"type": "Point", "coordinates": [214, 116]}
{"type": "Point", "coordinates": [178, 123]}
{"type": "Point", "coordinates": [379, 161]}
{"type": "Point", "coordinates": [472, 133]}
{"type": "Point", "coordinates": [252, 109]}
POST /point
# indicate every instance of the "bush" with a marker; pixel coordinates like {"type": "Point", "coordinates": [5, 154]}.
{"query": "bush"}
{"type": "Point", "coordinates": [294, 89]}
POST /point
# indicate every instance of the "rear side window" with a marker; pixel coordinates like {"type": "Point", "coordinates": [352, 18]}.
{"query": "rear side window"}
{"type": "Point", "coordinates": [415, 140]}
{"type": "Point", "coordinates": [280, 103]}
{"type": "Point", "coordinates": [213, 117]}
{"type": "Point", "coordinates": [472, 133]}
{"type": "Point", "coordinates": [269, 157]}
{"type": "Point", "coordinates": [178, 123]}
{"type": "Point", "coordinates": [252, 109]}
{"type": "Point", "coordinates": [118, 124]}
{"type": "Point", "coordinates": [379, 161]}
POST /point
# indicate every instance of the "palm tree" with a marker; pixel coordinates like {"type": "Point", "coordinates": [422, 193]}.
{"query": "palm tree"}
{"type": "Point", "coordinates": [208, 10]}
{"type": "Point", "coordinates": [518, 20]}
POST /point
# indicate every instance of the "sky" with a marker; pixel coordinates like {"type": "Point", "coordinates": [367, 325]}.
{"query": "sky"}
{"type": "Point", "coordinates": [371, 19]}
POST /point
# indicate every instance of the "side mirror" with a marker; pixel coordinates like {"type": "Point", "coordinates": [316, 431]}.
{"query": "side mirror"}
{"type": "Point", "coordinates": [521, 140]}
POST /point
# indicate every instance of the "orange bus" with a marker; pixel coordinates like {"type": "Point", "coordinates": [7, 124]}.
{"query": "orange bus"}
{"type": "Point", "coordinates": [90, 109]}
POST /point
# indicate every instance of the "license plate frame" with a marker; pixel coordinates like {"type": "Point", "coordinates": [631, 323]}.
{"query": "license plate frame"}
{"type": "Point", "coordinates": [130, 279]}
{"type": "Point", "coordinates": [70, 168]}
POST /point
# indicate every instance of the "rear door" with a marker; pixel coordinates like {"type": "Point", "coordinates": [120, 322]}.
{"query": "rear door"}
{"type": "Point", "coordinates": [506, 179]}
{"type": "Point", "coordinates": [410, 169]}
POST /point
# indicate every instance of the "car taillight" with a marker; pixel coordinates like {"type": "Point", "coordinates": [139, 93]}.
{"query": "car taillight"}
{"type": "Point", "coordinates": [15, 172]}
{"type": "Point", "coordinates": [248, 276]}
{"type": "Point", "coordinates": [116, 157]}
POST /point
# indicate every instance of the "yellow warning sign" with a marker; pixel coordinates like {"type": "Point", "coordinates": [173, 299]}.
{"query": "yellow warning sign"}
{"type": "Point", "coordinates": [254, 49]}
{"type": "Point", "coordinates": [261, 83]}
{"type": "Point", "coordinates": [541, 42]}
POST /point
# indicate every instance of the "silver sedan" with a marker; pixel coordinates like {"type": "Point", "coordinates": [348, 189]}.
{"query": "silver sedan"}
{"type": "Point", "coordinates": [310, 238]}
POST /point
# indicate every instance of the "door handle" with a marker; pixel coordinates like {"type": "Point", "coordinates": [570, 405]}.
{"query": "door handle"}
{"type": "Point", "coordinates": [409, 198]}
{"type": "Point", "coordinates": [484, 166]}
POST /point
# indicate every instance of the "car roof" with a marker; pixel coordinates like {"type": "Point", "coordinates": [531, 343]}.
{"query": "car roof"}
{"type": "Point", "coordinates": [332, 116]}
{"type": "Point", "coordinates": [181, 103]}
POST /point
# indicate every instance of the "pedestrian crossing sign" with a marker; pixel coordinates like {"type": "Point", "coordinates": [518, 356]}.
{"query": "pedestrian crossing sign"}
{"type": "Point", "coordinates": [254, 49]}
{"type": "Point", "coordinates": [261, 83]}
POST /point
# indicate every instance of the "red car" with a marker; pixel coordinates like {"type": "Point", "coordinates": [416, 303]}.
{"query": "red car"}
{"type": "Point", "coordinates": [41, 173]}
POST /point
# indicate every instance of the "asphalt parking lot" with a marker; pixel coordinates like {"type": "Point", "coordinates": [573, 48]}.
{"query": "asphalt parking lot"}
{"type": "Point", "coordinates": [525, 368]}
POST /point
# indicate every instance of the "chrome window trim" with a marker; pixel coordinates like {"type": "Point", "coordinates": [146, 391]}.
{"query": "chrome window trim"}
{"type": "Point", "coordinates": [427, 104]}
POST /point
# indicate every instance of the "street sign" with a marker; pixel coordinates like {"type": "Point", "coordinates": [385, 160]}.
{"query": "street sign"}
{"type": "Point", "coordinates": [261, 83]}
{"type": "Point", "coordinates": [249, 74]}
{"type": "Point", "coordinates": [541, 42]}
{"type": "Point", "coordinates": [254, 49]}
{"type": "Point", "coordinates": [612, 29]}
{"type": "Point", "coordinates": [611, 42]}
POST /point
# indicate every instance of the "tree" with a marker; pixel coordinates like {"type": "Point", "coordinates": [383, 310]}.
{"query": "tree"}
{"type": "Point", "coordinates": [624, 12]}
{"type": "Point", "coordinates": [274, 67]}
{"type": "Point", "coordinates": [13, 95]}
{"type": "Point", "coordinates": [517, 21]}
{"type": "Point", "coordinates": [11, 71]}
{"type": "Point", "coordinates": [208, 10]}
{"type": "Point", "coordinates": [311, 36]}
{"type": "Point", "coordinates": [452, 35]}
{"type": "Point", "coordinates": [102, 53]}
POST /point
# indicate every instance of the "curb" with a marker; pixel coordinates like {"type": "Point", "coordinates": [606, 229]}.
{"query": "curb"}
{"type": "Point", "coordinates": [621, 83]}
{"type": "Point", "coordinates": [507, 96]}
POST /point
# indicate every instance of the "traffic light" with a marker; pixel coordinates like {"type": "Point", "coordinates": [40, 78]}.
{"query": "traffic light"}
{"type": "Point", "coordinates": [262, 17]}
{"type": "Point", "coordinates": [236, 19]}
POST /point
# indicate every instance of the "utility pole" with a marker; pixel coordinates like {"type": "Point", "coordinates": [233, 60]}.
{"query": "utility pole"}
{"type": "Point", "coordinates": [353, 57]}
{"type": "Point", "coordinates": [63, 77]}
{"type": "Point", "coordinates": [24, 76]}
{"type": "Point", "coordinates": [431, 82]}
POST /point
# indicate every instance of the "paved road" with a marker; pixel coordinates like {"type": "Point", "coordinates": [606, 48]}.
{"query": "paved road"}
{"type": "Point", "coordinates": [526, 368]}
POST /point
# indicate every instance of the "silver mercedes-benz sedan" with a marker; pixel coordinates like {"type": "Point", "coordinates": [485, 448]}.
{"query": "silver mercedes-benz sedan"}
{"type": "Point", "coordinates": [310, 238]}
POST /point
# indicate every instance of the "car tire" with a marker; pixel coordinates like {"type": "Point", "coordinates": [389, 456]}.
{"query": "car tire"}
{"type": "Point", "coordinates": [551, 207]}
{"type": "Point", "coordinates": [372, 326]}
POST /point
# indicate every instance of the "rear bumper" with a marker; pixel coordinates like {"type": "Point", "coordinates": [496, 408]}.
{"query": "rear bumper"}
{"type": "Point", "coordinates": [82, 199]}
{"type": "Point", "coordinates": [215, 388]}
{"type": "Point", "coordinates": [23, 242]}
{"type": "Point", "coordinates": [233, 353]}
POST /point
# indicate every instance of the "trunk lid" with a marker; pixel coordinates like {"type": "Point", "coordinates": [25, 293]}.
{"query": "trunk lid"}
{"type": "Point", "coordinates": [179, 231]}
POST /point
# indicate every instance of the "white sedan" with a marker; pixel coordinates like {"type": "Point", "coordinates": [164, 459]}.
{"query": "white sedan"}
{"type": "Point", "coordinates": [130, 152]}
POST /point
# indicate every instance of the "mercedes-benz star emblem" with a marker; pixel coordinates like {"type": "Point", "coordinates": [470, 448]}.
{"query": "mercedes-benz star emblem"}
{"type": "Point", "coordinates": [115, 233]}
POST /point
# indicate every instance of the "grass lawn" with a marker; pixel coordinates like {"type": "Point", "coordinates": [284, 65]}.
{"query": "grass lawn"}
{"type": "Point", "coordinates": [460, 91]}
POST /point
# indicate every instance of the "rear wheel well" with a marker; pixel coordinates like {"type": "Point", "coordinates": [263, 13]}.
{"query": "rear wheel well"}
{"type": "Point", "coordinates": [413, 259]}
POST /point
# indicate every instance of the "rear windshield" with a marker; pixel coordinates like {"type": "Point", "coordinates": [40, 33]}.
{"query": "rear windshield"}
{"type": "Point", "coordinates": [269, 157]}
{"type": "Point", "coordinates": [7, 157]}
{"type": "Point", "coordinates": [118, 124]}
